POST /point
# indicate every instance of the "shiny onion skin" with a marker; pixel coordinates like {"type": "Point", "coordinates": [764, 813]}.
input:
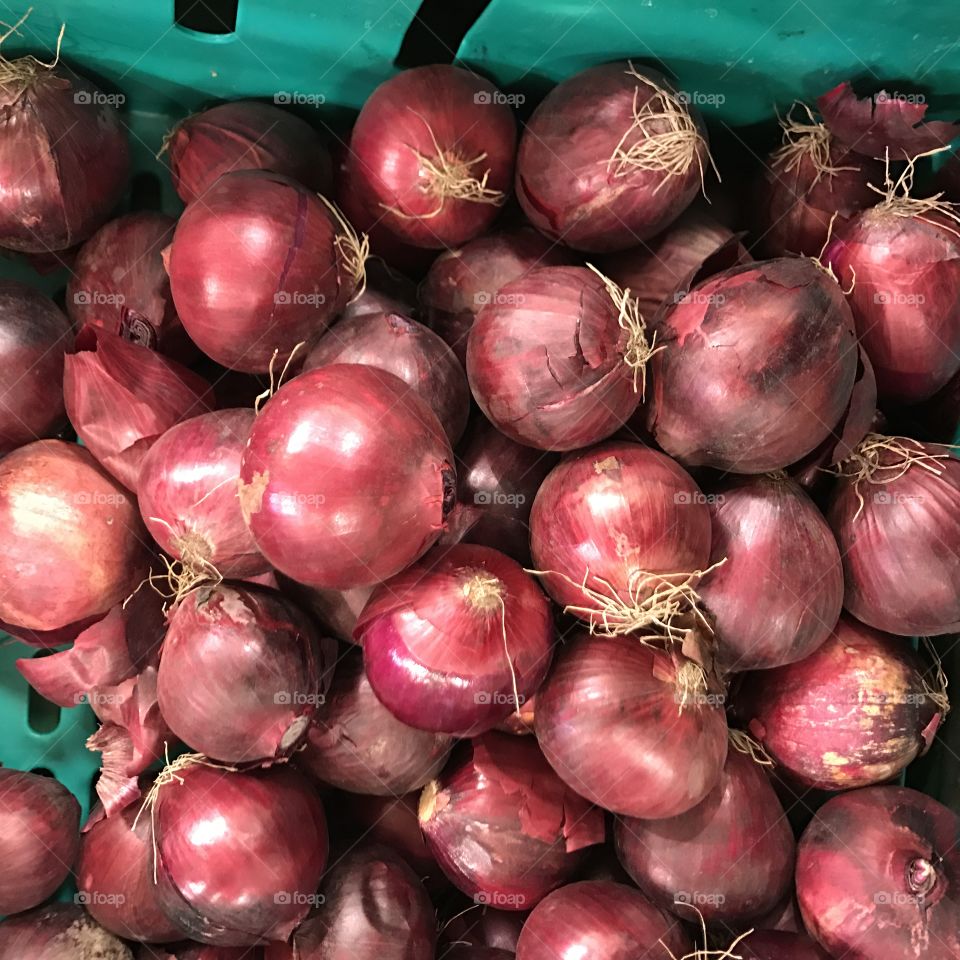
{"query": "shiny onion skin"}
{"type": "Point", "coordinates": [731, 856]}
{"type": "Point", "coordinates": [900, 564]}
{"type": "Point", "coordinates": [780, 945]}
{"type": "Point", "coordinates": [407, 349]}
{"type": "Point", "coordinates": [503, 827]}
{"type": "Point", "coordinates": [58, 931]}
{"type": "Point", "coordinates": [258, 266]}
{"type": "Point", "coordinates": [74, 544]}
{"type": "Point", "coordinates": [433, 118]}
{"type": "Point", "coordinates": [546, 359]}
{"type": "Point", "coordinates": [853, 713]}
{"type": "Point", "coordinates": [63, 156]}
{"type": "Point", "coordinates": [211, 824]}
{"type": "Point", "coordinates": [34, 336]}
{"type": "Point", "coordinates": [347, 477]}
{"type": "Point", "coordinates": [781, 381]}
{"type": "Point", "coordinates": [779, 593]}
{"type": "Point", "coordinates": [188, 494]}
{"type": "Point", "coordinates": [356, 744]}
{"type": "Point", "coordinates": [240, 675]}
{"type": "Point", "coordinates": [245, 135]}
{"type": "Point", "coordinates": [906, 299]}
{"type": "Point", "coordinates": [450, 642]}
{"type": "Point", "coordinates": [39, 838]}
{"type": "Point", "coordinates": [600, 920]}
{"type": "Point", "coordinates": [877, 876]}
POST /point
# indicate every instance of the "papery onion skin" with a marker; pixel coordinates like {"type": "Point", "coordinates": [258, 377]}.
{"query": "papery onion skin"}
{"type": "Point", "coordinates": [211, 822]}
{"type": "Point", "coordinates": [347, 477]}
{"type": "Point", "coordinates": [188, 494]}
{"type": "Point", "coordinates": [599, 919]}
{"type": "Point", "coordinates": [877, 876]}
{"type": "Point", "coordinates": [779, 384]}
{"type": "Point", "coordinates": [58, 931]}
{"type": "Point", "coordinates": [545, 359]}
{"type": "Point", "coordinates": [567, 177]}
{"type": "Point", "coordinates": [731, 856]}
{"type": "Point", "coordinates": [39, 838]}
{"type": "Point", "coordinates": [74, 546]}
{"type": "Point", "coordinates": [853, 713]}
{"type": "Point", "coordinates": [454, 642]}
{"type": "Point", "coordinates": [778, 594]}
{"type": "Point", "coordinates": [502, 826]}
{"type": "Point", "coordinates": [900, 561]}
{"type": "Point", "coordinates": [780, 945]}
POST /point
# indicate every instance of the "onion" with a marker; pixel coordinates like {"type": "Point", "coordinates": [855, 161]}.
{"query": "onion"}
{"type": "Point", "coordinates": [59, 931]}
{"type": "Point", "coordinates": [198, 951]}
{"type": "Point", "coordinates": [211, 824]}
{"type": "Point", "coordinates": [260, 265]}
{"type": "Point", "coordinates": [877, 875]}
{"type": "Point", "coordinates": [462, 951]}
{"type": "Point", "coordinates": [346, 478]}
{"type": "Point", "coordinates": [408, 349]}
{"type": "Point", "coordinates": [779, 593]}
{"type": "Point", "coordinates": [73, 544]}
{"type": "Point", "coordinates": [457, 641]}
{"type": "Point", "coordinates": [244, 135]}
{"type": "Point", "coordinates": [602, 921]}
{"type": "Point", "coordinates": [39, 838]}
{"type": "Point", "coordinates": [356, 744]}
{"type": "Point", "coordinates": [853, 713]}
{"type": "Point", "coordinates": [386, 291]}
{"type": "Point", "coordinates": [779, 945]}
{"type": "Point", "coordinates": [521, 722]}
{"type": "Point", "coordinates": [188, 494]}
{"type": "Point", "coordinates": [460, 282]}
{"type": "Point", "coordinates": [64, 157]}
{"type": "Point", "coordinates": [34, 336]}
{"type": "Point", "coordinates": [610, 157]}
{"type": "Point", "coordinates": [503, 827]}
{"type": "Point", "coordinates": [432, 155]}
{"type": "Point", "coordinates": [779, 384]}
{"type": "Point", "coordinates": [240, 676]}
{"type": "Point", "coordinates": [336, 610]}
{"type": "Point", "coordinates": [556, 359]}
{"type": "Point", "coordinates": [895, 515]}
{"type": "Point", "coordinates": [731, 856]}
{"type": "Point", "coordinates": [481, 928]}
{"type": "Point", "coordinates": [785, 916]}
{"type": "Point", "coordinates": [620, 723]}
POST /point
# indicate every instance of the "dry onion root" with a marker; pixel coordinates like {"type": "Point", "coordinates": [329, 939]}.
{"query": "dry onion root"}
{"type": "Point", "coordinates": [808, 141]}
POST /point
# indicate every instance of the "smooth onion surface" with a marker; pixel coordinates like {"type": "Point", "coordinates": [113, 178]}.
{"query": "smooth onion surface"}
{"type": "Point", "coordinates": [60, 931]}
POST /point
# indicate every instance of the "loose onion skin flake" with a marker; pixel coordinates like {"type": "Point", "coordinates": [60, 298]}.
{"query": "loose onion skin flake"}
{"type": "Point", "coordinates": [59, 931]}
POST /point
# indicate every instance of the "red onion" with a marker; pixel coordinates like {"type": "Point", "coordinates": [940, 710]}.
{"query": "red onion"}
{"type": "Point", "coordinates": [457, 641]}
{"type": "Point", "coordinates": [346, 478]}
{"type": "Point", "coordinates": [785, 916]}
{"type": "Point", "coordinates": [188, 494]}
{"type": "Point", "coordinates": [260, 265]}
{"type": "Point", "coordinates": [39, 838]}
{"type": "Point", "coordinates": [877, 876]}
{"type": "Point", "coordinates": [335, 610]}
{"type": "Point", "coordinates": [557, 358]}
{"type": "Point", "coordinates": [245, 135]}
{"type": "Point", "coordinates": [853, 713]}
{"type": "Point", "coordinates": [521, 722]}
{"type": "Point", "coordinates": [610, 158]}
{"type": "Point", "coordinates": [731, 856]}
{"type": "Point", "coordinates": [895, 515]}
{"type": "Point", "coordinates": [779, 945]}
{"type": "Point", "coordinates": [387, 291]}
{"type": "Point", "coordinates": [73, 537]}
{"type": "Point", "coordinates": [59, 931]}
{"type": "Point", "coordinates": [240, 676]}
{"type": "Point", "coordinates": [779, 384]}
{"type": "Point", "coordinates": [461, 951]}
{"type": "Point", "coordinates": [408, 349]}
{"type": "Point", "coordinates": [597, 919]}
{"type": "Point", "coordinates": [356, 744]}
{"type": "Point", "coordinates": [460, 282]}
{"type": "Point", "coordinates": [432, 154]}
{"type": "Point", "coordinates": [503, 827]}
{"type": "Point", "coordinates": [481, 928]}
{"type": "Point", "coordinates": [64, 157]}
{"type": "Point", "coordinates": [778, 594]}
{"type": "Point", "coordinates": [627, 727]}
{"type": "Point", "coordinates": [211, 825]}
{"type": "Point", "coordinates": [34, 336]}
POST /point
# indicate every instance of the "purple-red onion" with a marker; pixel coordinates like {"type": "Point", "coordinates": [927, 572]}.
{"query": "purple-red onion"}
{"type": "Point", "coordinates": [59, 931]}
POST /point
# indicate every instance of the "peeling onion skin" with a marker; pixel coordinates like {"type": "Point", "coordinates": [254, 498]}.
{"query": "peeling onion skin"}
{"type": "Point", "coordinates": [731, 855]}
{"type": "Point", "coordinates": [608, 721]}
{"type": "Point", "coordinates": [877, 876]}
{"type": "Point", "coordinates": [781, 381]}
{"type": "Point", "coordinates": [59, 931]}
{"type": "Point", "coordinates": [602, 921]}
{"type": "Point", "coordinates": [852, 714]}
{"type": "Point", "coordinates": [780, 945]}
{"type": "Point", "coordinates": [503, 827]}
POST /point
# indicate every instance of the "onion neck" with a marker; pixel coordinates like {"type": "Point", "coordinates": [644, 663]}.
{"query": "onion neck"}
{"type": "Point", "coordinates": [921, 876]}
